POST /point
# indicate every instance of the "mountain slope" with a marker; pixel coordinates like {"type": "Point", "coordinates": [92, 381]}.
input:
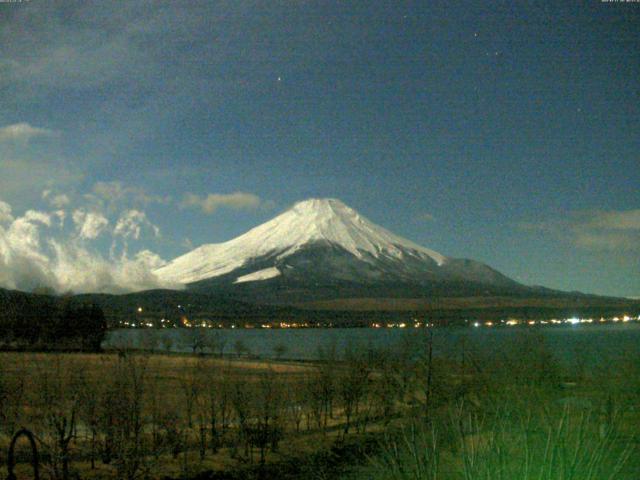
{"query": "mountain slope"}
{"type": "Point", "coordinates": [315, 220]}
{"type": "Point", "coordinates": [322, 243]}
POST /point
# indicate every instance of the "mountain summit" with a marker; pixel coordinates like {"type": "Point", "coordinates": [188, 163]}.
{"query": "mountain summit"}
{"type": "Point", "coordinates": [320, 243]}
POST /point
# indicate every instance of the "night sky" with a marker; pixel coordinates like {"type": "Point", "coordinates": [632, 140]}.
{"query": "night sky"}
{"type": "Point", "coordinates": [131, 132]}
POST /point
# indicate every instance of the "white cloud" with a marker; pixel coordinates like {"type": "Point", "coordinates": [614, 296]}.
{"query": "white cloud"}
{"type": "Point", "coordinates": [24, 233]}
{"type": "Point", "coordinates": [60, 215]}
{"type": "Point", "coordinates": [80, 270]}
{"type": "Point", "coordinates": [59, 201]}
{"type": "Point", "coordinates": [34, 253]}
{"type": "Point", "coordinates": [214, 201]}
{"type": "Point", "coordinates": [131, 223]}
{"type": "Point", "coordinates": [37, 217]}
{"type": "Point", "coordinates": [89, 225]}
{"type": "Point", "coordinates": [110, 191]}
{"type": "Point", "coordinates": [150, 259]}
{"type": "Point", "coordinates": [615, 220]}
{"type": "Point", "coordinates": [615, 241]}
{"type": "Point", "coordinates": [612, 230]}
{"type": "Point", "coordinates": [23, 132]}
{"type": "Point", "coordinates": [23, 265]}
{"type": "Point", "coordinates": [113, 196]}
{"type": "Point", "coordinates": [5, 212]}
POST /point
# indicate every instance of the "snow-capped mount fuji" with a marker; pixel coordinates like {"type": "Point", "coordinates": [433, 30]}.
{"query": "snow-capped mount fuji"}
{"type": "Point", "coordinates": [307, 222]}
{"type": "Point", "coordinates": [321, 244]}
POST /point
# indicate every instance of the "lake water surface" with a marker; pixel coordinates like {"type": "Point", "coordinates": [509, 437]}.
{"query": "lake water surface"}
{"type": "Point", "coordinates": [593, 343]}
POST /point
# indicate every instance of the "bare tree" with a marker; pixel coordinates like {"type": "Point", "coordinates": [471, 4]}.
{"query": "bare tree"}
{"type": "Point", "coordinates": [201, 403]}
{"type": "Point", "coordinates": [57, 389]}
{"type": "Point", "coordinates": [149, 339]}
{"type": "Point", "coordinates": [279, 350]}
{"type": "Point", "coordinates": [352, 381]}
{"type": "Point", "coordinates": [89, 392]}
{"type": "Point", "coordinates": [12, 392]}
{"type": "Point", "coordinates": [191, 387]}
{"type": "Point", "coordinates": [167, 342]}
{"type": "Point", "coordinates": [241, 348]}
{"type": "Point", "coordinates": [326, 382]}
{"type": "Point", "coordinates": [195, 339]}
{"type": "Point", "coordinates": [241, 402]}
{"type": "Point", "coordinates": [122, 415]}
{"type": "Point", "coordinates": [295, 401]}
{"type": "Point", "coordinates": [217, 341]}
{"type": "Point", "coordinates": [217, 398]}
{"type": "Point", "coordinates": [266, 429]}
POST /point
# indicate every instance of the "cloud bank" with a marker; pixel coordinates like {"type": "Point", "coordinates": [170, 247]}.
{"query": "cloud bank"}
{"type": "Point", "coordinates": [38, 249]}
{"type": "Point", "coordinates": [23, 132]}
{"type": "Point", "coordinates": [212, 202]}
{"type": "Point", "coordinates": [600, 230]}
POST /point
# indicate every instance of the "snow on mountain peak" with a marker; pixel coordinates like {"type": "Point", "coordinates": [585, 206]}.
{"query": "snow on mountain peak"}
{"type": "Point", "coordinates": [308, 221]}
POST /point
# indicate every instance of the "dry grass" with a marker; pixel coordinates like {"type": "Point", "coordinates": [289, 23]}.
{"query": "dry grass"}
{"type": "Point", "coordinates": [169, 379]}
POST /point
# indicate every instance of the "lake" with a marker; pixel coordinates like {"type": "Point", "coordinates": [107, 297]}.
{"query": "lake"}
{"type": "Point", "coordinates": [593, 343]}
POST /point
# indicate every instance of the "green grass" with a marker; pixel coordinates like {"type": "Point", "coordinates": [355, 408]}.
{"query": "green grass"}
{"type": "Point", "coordinates": [514, 427]}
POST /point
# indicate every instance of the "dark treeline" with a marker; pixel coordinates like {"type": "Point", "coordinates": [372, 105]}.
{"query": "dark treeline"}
{"type": "Point", "coordinates": [173, 306]}
{"type": "Point", "coordinates": [47, 322]}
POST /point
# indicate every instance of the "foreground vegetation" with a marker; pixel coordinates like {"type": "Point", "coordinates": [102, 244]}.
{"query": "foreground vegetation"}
{"type": "Point", "coordinates": [42, 321]}
{"type": "Point", "coordinates": [516, 414]}
{"type": "Point", "coordinates": [399, 413]}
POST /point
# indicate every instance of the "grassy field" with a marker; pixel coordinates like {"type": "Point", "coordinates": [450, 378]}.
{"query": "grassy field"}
{"type": "Point", "coordinates": [476, 414]}
{"type": "Point", "coordinates": [132, 415]}
{"type": "Point", "coordinates": [518, 415]}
